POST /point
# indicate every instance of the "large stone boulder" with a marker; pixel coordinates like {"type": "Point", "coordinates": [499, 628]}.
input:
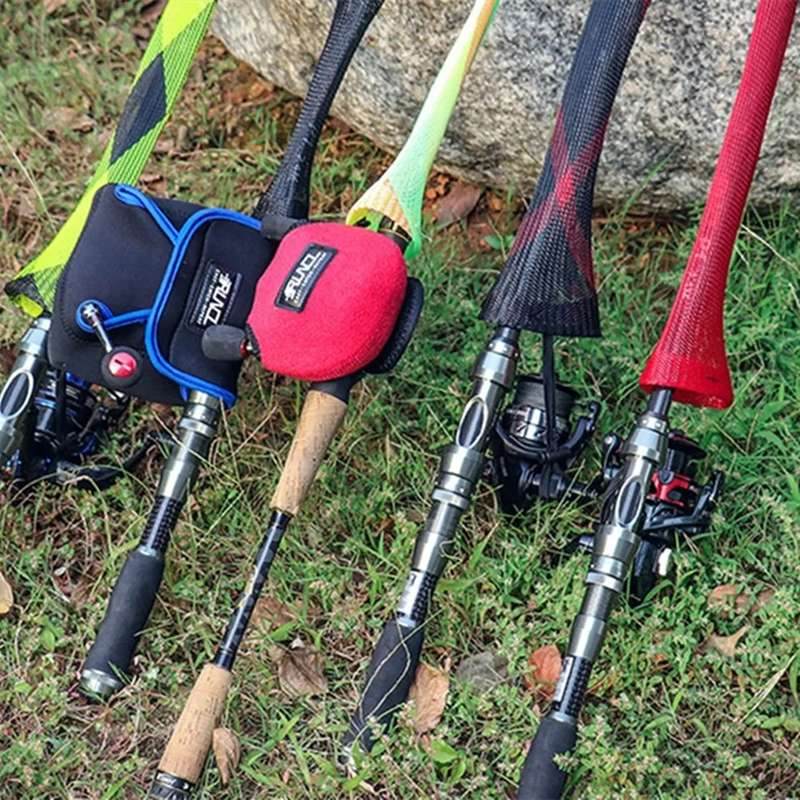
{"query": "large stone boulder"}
{"type": "Point", "coordinates": [668, 120]}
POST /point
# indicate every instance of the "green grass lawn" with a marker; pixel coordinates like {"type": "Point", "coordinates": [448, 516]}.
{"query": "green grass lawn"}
{"type": "Point", "coordinates": [668, 717]}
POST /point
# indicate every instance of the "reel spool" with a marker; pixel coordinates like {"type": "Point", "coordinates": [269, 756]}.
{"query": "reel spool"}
{"type": "Point", "coordinates": [677, 506]}
{"type": "Point", "coordinates": [531, 455]}
{"type": "Point", "coordinates": [68, 424]}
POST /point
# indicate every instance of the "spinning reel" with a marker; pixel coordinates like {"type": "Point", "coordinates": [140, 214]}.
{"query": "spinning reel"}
{"type": "Point", "coordinates": [68, 423]}
{"type": "Point", "coordinates": [677, 506]}
{"type": "Point", "coordinates": [535, 444]}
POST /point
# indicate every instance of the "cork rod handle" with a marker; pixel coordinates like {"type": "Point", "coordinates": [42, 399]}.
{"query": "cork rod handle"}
{"type": "Point", "coordinates": [191, 740]}
{"type": "Point", "coordinates": [320, 419]}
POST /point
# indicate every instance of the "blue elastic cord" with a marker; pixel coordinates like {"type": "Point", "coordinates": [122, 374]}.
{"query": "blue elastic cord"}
{"type": "Point", "coordinates": [184, 379]}
{"type": "Point", "coordinates": [133, 197]}
{"type": "Point", "coordinates": [109, 320]}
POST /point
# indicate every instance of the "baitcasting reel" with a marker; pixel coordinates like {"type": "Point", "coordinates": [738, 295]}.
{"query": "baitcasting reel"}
{"type": "Point", "coordinates": [676, 506]}
{"type": "Point", "coordinates": [67, 424]}
{"type": "Point", "coordinates": [533, 451]}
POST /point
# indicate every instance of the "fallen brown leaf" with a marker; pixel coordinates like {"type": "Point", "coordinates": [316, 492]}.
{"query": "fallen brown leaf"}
{"type": "Point", "coordinates": [743, 602]}
{"type": "Point", "coordinates": [272, 612]}
{"type": "Point", "coordinates": [726, 645]}
{"type": "Point", "coordinates": [227, 752]}
{"type": "Point", "coordinates": [152, 10]}
{"type": "Point", "coordinates": [6, 596]}
{"type": "Point", "coordinates": [300, 672]}
{"type": "Point", "coordinates": [155, 183]}
{"type": "Point", "coordinates": [721, 596]}
{"type": "Point", "coordinates": [429, 693]}
{"type": "Point", "coordinates": [458, 203]}
{"type": "Point", "coordinates": [51, 6]}
{"type": "Point", "coordinates": [545, 666]}
{"type": "Point", "coordinates": [764, 599]}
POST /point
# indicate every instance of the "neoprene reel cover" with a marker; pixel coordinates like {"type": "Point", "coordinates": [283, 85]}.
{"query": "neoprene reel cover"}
{"type": "Point", "coordinates": [328, 305]}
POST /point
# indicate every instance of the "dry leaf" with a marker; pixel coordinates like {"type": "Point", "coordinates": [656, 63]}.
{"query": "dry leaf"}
{"type": "Point", "coordinates": [429, 693]}
{"type": "Point", "coordinates": [272, 612]}
{"type": "Point", "coordinates": [300, 672]}
{"type": "Point", "coordinates": [727, 644]}
{"type": "Point", "coordinates": [51, 6]}
{"type": "Point", "coordinates": [764, 598]}
{"type": "Point", "coordinates": [545, 670]}
{"type": "Point", "coordinates": [720, 596]}
{"type": "Point", "coordinates": [458, 203]}
{"type": "Point", "coordinates": [227, 752]}
{"type": "Point", "coordinates": [6, 596]}
{"type": "Point", "coordinates": [155, 183]}
{"type": "Point", "coordinates": [152, 10]}
{"type": "Point", "coordinates": [743, 602]}
{"type": "Point", "coordinates": [25, 206]}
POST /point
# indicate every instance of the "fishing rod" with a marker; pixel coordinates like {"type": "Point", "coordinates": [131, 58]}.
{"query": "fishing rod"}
{"type": "Point", "coordinates": [51, 421]}
{"type": "Point", "coordinates": [688, 365]}
{"type": "Point", "coordinates": [324, 276]}
{"type": "Point", "coordinates": [547, 287]}
{"type": "Point", "coordinates": [179, 269]}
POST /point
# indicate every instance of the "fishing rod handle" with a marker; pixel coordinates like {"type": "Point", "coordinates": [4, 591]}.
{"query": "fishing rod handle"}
{"type": "Point", "coordinates": [182, 764]}
{"type": "Point", "coordinates": [542, 779]}
{"type": "Point", "coordinates": [187, 750]}
{"type": "Point", "coordinates": [615, 544]}
{"type": "Point", "coordinates": [396, 657]}
{"type": "Point", "coordinates": [19, 391]}
{"type": "Point", "coordinates": [134, 594]}
{"type": "Point", "coordinates": [320, 419]}
{"type": "Point", "coordinates": [288, 194]}
{"type": "Point", "coordinates": [547, 284]}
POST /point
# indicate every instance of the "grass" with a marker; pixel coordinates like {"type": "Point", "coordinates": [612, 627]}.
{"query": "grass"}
{"type": "Point", "coordinates": [668, 717]}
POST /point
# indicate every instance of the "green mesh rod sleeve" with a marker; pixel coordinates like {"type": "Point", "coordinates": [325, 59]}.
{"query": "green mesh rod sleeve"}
{"type": "Point", "coordinates": [398, 194]}
{"type": "Point", "coordinates": [161, 75]}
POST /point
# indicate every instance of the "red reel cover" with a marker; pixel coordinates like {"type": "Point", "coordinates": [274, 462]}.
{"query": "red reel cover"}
{"type": "Point", "coordinates": [329, 301]}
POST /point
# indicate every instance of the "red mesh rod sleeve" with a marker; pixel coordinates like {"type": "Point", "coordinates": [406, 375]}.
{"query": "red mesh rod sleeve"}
{"type": "Point", "coordinates": [690, 356]}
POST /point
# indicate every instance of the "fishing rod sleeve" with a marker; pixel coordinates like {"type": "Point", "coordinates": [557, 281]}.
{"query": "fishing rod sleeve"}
{"type": "Point", "coordinates": [109, 661]}
{"type": "Point", "coordinates": [161, 75]}
{"type": "Point", "coordinates": [288, 194]}
{"type": "Point", "coordinates": [547, 285]}
{"type": "Point", "coordinates": [398, 195]}
{"type": "Point", "coordinates": [690, 356]}
{"type": "Point", "coordinates": [670, 376]}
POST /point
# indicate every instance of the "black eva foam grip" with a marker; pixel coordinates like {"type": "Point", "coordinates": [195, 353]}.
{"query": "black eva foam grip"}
{"type": "Point", "coordinates": [288, 194]}
{"type": "Point", "coordinates": [389, 677]}
{"type": "Point", "coordinates": [547, 285]}
{"type": "Point", "coordinates": [541, 778]}
{"type": "Point", "coordinates": [128, 611]}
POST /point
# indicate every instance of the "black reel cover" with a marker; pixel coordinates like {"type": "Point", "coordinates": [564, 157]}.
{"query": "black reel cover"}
{"type": "Point", "coordinates": [120, 264]}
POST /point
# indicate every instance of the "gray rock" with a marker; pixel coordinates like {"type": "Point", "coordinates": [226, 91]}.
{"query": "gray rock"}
{"type": "Point", "coordinates": [483, 671]}
{"type": "Point", "coordinates": [667, 124]}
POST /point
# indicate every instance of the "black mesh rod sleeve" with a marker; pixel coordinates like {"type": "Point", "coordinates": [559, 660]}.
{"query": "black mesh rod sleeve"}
{"type": "Point", "coordinates": [547, 285]}
{"type": "Point", "coordinates": [288, 194]}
